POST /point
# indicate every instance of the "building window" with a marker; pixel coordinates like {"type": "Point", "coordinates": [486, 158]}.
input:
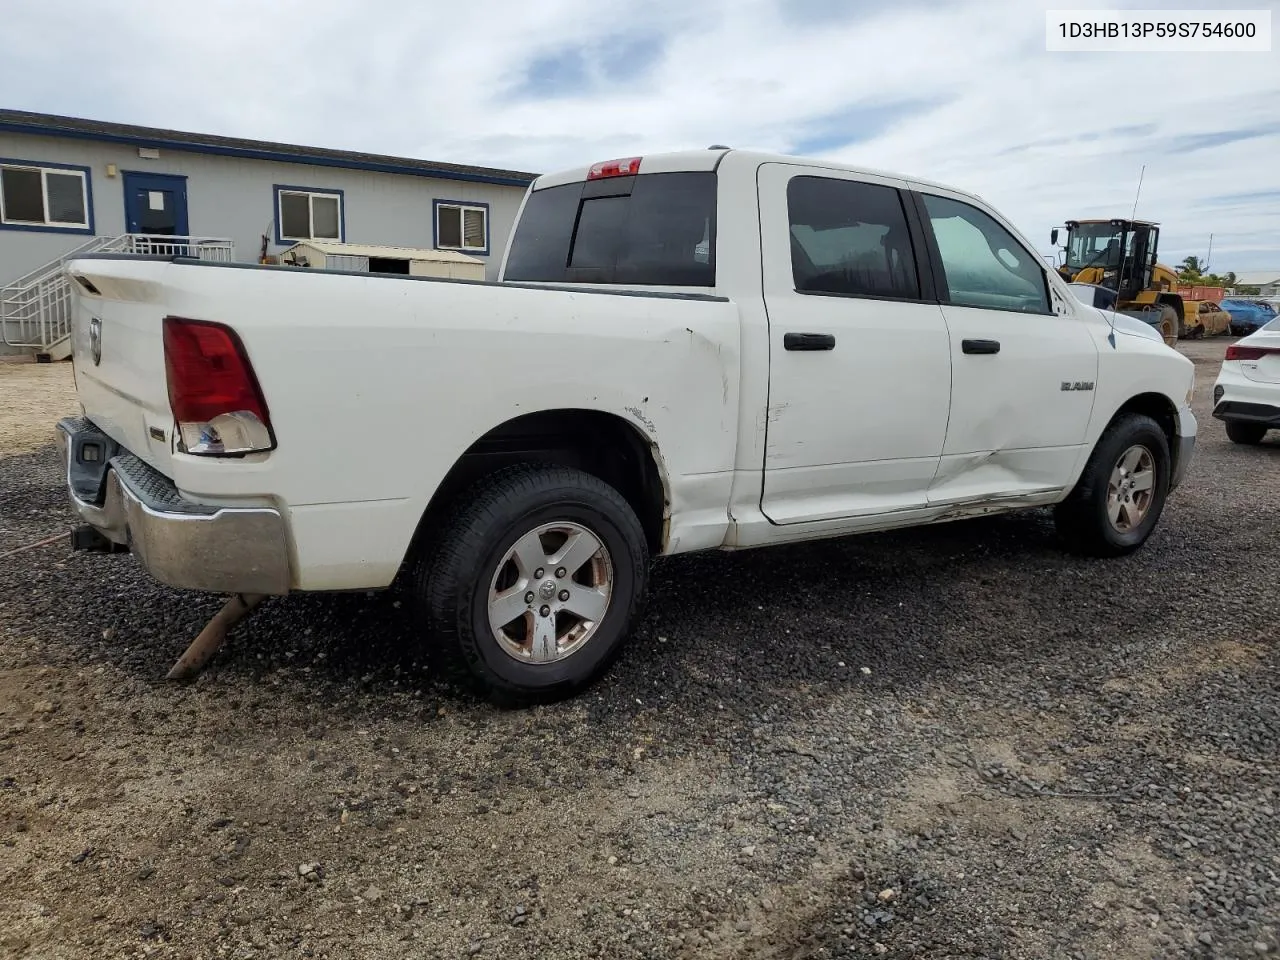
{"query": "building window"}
{"type": "Point", "coordinates": [462, 226]}
{"type": "Point", "coordinates": [42, 196]}
{"type": "Point", "coordinates": [303, 214]}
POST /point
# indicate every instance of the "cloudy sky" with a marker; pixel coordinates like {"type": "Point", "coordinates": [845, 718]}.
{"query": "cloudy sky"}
{"type": "Point", "coordinates": [960, 91]}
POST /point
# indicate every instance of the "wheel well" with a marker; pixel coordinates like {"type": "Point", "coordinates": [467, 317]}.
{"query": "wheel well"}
{"type": "Point", "coordinates": [1160, 409]}
{"type": "Point", "coordinates": [598, 443]}
{"type": "Point", "coordinates": [1175, 301]}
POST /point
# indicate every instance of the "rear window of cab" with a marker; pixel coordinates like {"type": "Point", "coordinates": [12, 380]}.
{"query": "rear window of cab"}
{"type": "Point", "coordinates": [651, 229]}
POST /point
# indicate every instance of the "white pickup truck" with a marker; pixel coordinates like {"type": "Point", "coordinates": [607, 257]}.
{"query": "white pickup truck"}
{"type": "Point", "coordinates": [699, 350]}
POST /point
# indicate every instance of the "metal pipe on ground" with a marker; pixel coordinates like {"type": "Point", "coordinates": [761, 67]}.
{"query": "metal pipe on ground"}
{"type": "Point", "coordinates": [213, 636]}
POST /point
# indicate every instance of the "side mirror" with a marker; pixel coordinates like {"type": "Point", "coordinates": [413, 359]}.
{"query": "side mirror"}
{"type": "Point", "coordinates": [1053, 237]}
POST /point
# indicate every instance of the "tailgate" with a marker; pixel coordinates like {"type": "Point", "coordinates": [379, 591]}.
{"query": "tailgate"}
{"type": "Point", "coordinates": [118, 353]}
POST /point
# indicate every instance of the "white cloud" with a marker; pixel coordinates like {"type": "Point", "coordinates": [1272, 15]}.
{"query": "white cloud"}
{"type": "Point", "coordinates": [440, 80]}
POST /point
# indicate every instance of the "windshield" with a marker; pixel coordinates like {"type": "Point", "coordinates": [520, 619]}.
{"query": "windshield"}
{"type": "Point", "coordinates": [1095, 245]}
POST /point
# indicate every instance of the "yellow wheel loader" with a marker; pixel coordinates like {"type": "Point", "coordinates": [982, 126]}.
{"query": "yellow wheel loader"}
{"type": "Point", "coordinates": [1117, 259]}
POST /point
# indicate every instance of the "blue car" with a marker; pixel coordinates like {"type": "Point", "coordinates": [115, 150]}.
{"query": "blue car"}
{"type": "Point", "coordinates": [1247, 315]}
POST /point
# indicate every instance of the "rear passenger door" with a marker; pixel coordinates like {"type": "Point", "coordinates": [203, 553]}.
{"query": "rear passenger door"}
{"type": "Point", "coordinates": [859, 360]}
{"type": "Point", "coordinates": [1023, 360]}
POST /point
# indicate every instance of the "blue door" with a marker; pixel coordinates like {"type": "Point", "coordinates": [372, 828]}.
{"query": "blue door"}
{"type": "Point", "coordinates": [155, 204]}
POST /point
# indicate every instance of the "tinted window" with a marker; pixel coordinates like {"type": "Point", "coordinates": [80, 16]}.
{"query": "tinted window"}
{"type": "Point", "coordinates": [540, 248]}
{"type": "Point", "coordinates": [984, 265]}
{"type": "Point", "coordinates": [295, 215]}
{"type": "Point", "coordinates": [655, 229]}
{"type": "Point", "coordinates": [601, 222]}
{"type": "Point", "coordinates": [66, 197]}
{"type": "Point", "coordinates": [23, 199]}
{"type": "Point", "coordinates": [850, 238]}
{"type": "Point", "coordinates": [324, 216]}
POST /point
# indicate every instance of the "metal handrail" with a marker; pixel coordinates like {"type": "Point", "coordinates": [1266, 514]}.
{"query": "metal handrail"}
{"type": "Point", "coordinates": [35, 309]}
{"type": "Point", "coordinates": [97, 244]}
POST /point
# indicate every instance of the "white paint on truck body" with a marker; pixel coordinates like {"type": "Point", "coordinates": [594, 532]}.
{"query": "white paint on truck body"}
{"type": "Point", "coordinates": [377, 385]}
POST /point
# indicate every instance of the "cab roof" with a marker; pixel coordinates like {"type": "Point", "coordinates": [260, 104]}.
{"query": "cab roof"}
{"type": "Point", "coordinates": [681, 161]}
{"type": "Point", "coordinates": [1142, 223]}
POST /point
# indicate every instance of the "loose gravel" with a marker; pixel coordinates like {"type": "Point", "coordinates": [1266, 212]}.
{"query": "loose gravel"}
{"type": "Point", "coordinates": [948, 742]}
{"type": "Point", "coordinates": [35, 396]}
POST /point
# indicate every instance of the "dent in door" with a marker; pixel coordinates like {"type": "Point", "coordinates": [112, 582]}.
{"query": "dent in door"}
{"type": "Point", "coordinates": [998, 466]}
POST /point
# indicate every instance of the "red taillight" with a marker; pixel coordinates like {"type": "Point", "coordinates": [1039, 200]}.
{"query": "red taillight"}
{"type": "Point", "coordinates": [615, 168]}
{"type": "Point", "coordinates": [213, 392]}
{"type": "Point", "coordinates": [1236, 352]}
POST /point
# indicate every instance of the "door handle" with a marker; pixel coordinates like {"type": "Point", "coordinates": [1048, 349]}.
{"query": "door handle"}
{"type": "Point", "coordinates": [980, 346]}
{"type": "Point", "coordinates": [808, 341]}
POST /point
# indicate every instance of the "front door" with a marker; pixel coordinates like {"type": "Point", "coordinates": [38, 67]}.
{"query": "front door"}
{"type": "Point", "coordinates": [155, 204]}
{"type": "Point", "coordinates": [859, 361]}
{"type": "Point", "coordinates": [1023, 362]}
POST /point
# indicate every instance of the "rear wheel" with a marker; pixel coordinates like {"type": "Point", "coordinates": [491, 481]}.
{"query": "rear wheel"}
{"type": "Point", "coordinates": [1121, 492]}
{"type": "Point", "coordinates": [535, 581]}
{"type": "Point", "coordinates": [1250, 434]}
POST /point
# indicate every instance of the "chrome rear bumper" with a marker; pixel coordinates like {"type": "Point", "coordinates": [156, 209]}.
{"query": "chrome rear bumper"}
{"type": "Point", "coordinates": [184, 544]}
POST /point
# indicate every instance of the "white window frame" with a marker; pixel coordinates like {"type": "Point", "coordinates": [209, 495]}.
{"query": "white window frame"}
{"type": "Point", "coordinates": [44, 197]}
{"type": "Point", "coordinates": [462, 209]}
{"type": "Point", "coordinates": [311, 213]}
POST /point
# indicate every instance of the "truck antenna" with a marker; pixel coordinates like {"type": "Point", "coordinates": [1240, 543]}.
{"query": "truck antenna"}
{"type": "Point", "coordinates": [1138, 194]}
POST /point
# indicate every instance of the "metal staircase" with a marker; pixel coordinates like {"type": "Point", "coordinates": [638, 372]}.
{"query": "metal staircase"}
{"type": "Point", "coordinates": [36, 309]}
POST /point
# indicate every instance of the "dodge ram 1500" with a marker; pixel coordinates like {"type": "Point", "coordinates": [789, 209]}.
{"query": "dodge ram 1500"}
{"type": "Point", "coordinates": [700, 350]}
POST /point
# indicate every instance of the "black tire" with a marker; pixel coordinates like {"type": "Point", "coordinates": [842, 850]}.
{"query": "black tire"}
{"type": "Point", "coordinates": [452, 588]}
{"type": "Point", "coordinates": [1083, 521]}
{"type": "Point", "coordinates": [1249, 434]}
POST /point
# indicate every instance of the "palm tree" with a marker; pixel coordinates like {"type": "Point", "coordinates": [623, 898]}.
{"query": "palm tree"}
{"type": "Point", "coordinates": [1230, 278]}
{"type": "Point", "coordinates": [1191, 266]}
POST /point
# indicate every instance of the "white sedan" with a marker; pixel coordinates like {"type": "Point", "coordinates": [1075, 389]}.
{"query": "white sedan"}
{"type": "Point", "coordinates": [1246, 396]}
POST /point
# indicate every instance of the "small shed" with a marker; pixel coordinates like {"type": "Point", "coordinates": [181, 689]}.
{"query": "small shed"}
{"type": "Point", "coordinates": [370, 258]}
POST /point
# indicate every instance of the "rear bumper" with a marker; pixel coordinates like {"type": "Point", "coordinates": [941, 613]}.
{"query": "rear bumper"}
{"type": "Point", "coordinates": [181, 543]}
{"type": "Point", "coordinates": [1263, 414]}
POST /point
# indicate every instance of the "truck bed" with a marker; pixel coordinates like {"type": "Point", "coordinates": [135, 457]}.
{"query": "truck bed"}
{"type": "Point", "coordinates": [377, 384]}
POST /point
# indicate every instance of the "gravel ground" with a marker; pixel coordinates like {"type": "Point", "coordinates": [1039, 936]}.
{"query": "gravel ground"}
{"type": "Point", "coordinates": [33, 397]}
{"type": "Point", "coordinates": [951, 742]}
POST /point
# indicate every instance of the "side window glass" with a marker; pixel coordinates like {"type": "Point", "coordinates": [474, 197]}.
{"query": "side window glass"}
{"type": "Point", "coordinates": [984, 265]}
{"type": "Point", "coordinates": [851, 239]}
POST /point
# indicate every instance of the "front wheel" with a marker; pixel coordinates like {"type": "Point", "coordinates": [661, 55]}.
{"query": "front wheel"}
{"type": "Point", "coordinates": [1249, 434]}
{"type": "Point", "coordinates": [1121, 492]}
{"type": "Point", "coordinates": [535, 581]}
{"type": "Point", "coordinates": [1169, 326]}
